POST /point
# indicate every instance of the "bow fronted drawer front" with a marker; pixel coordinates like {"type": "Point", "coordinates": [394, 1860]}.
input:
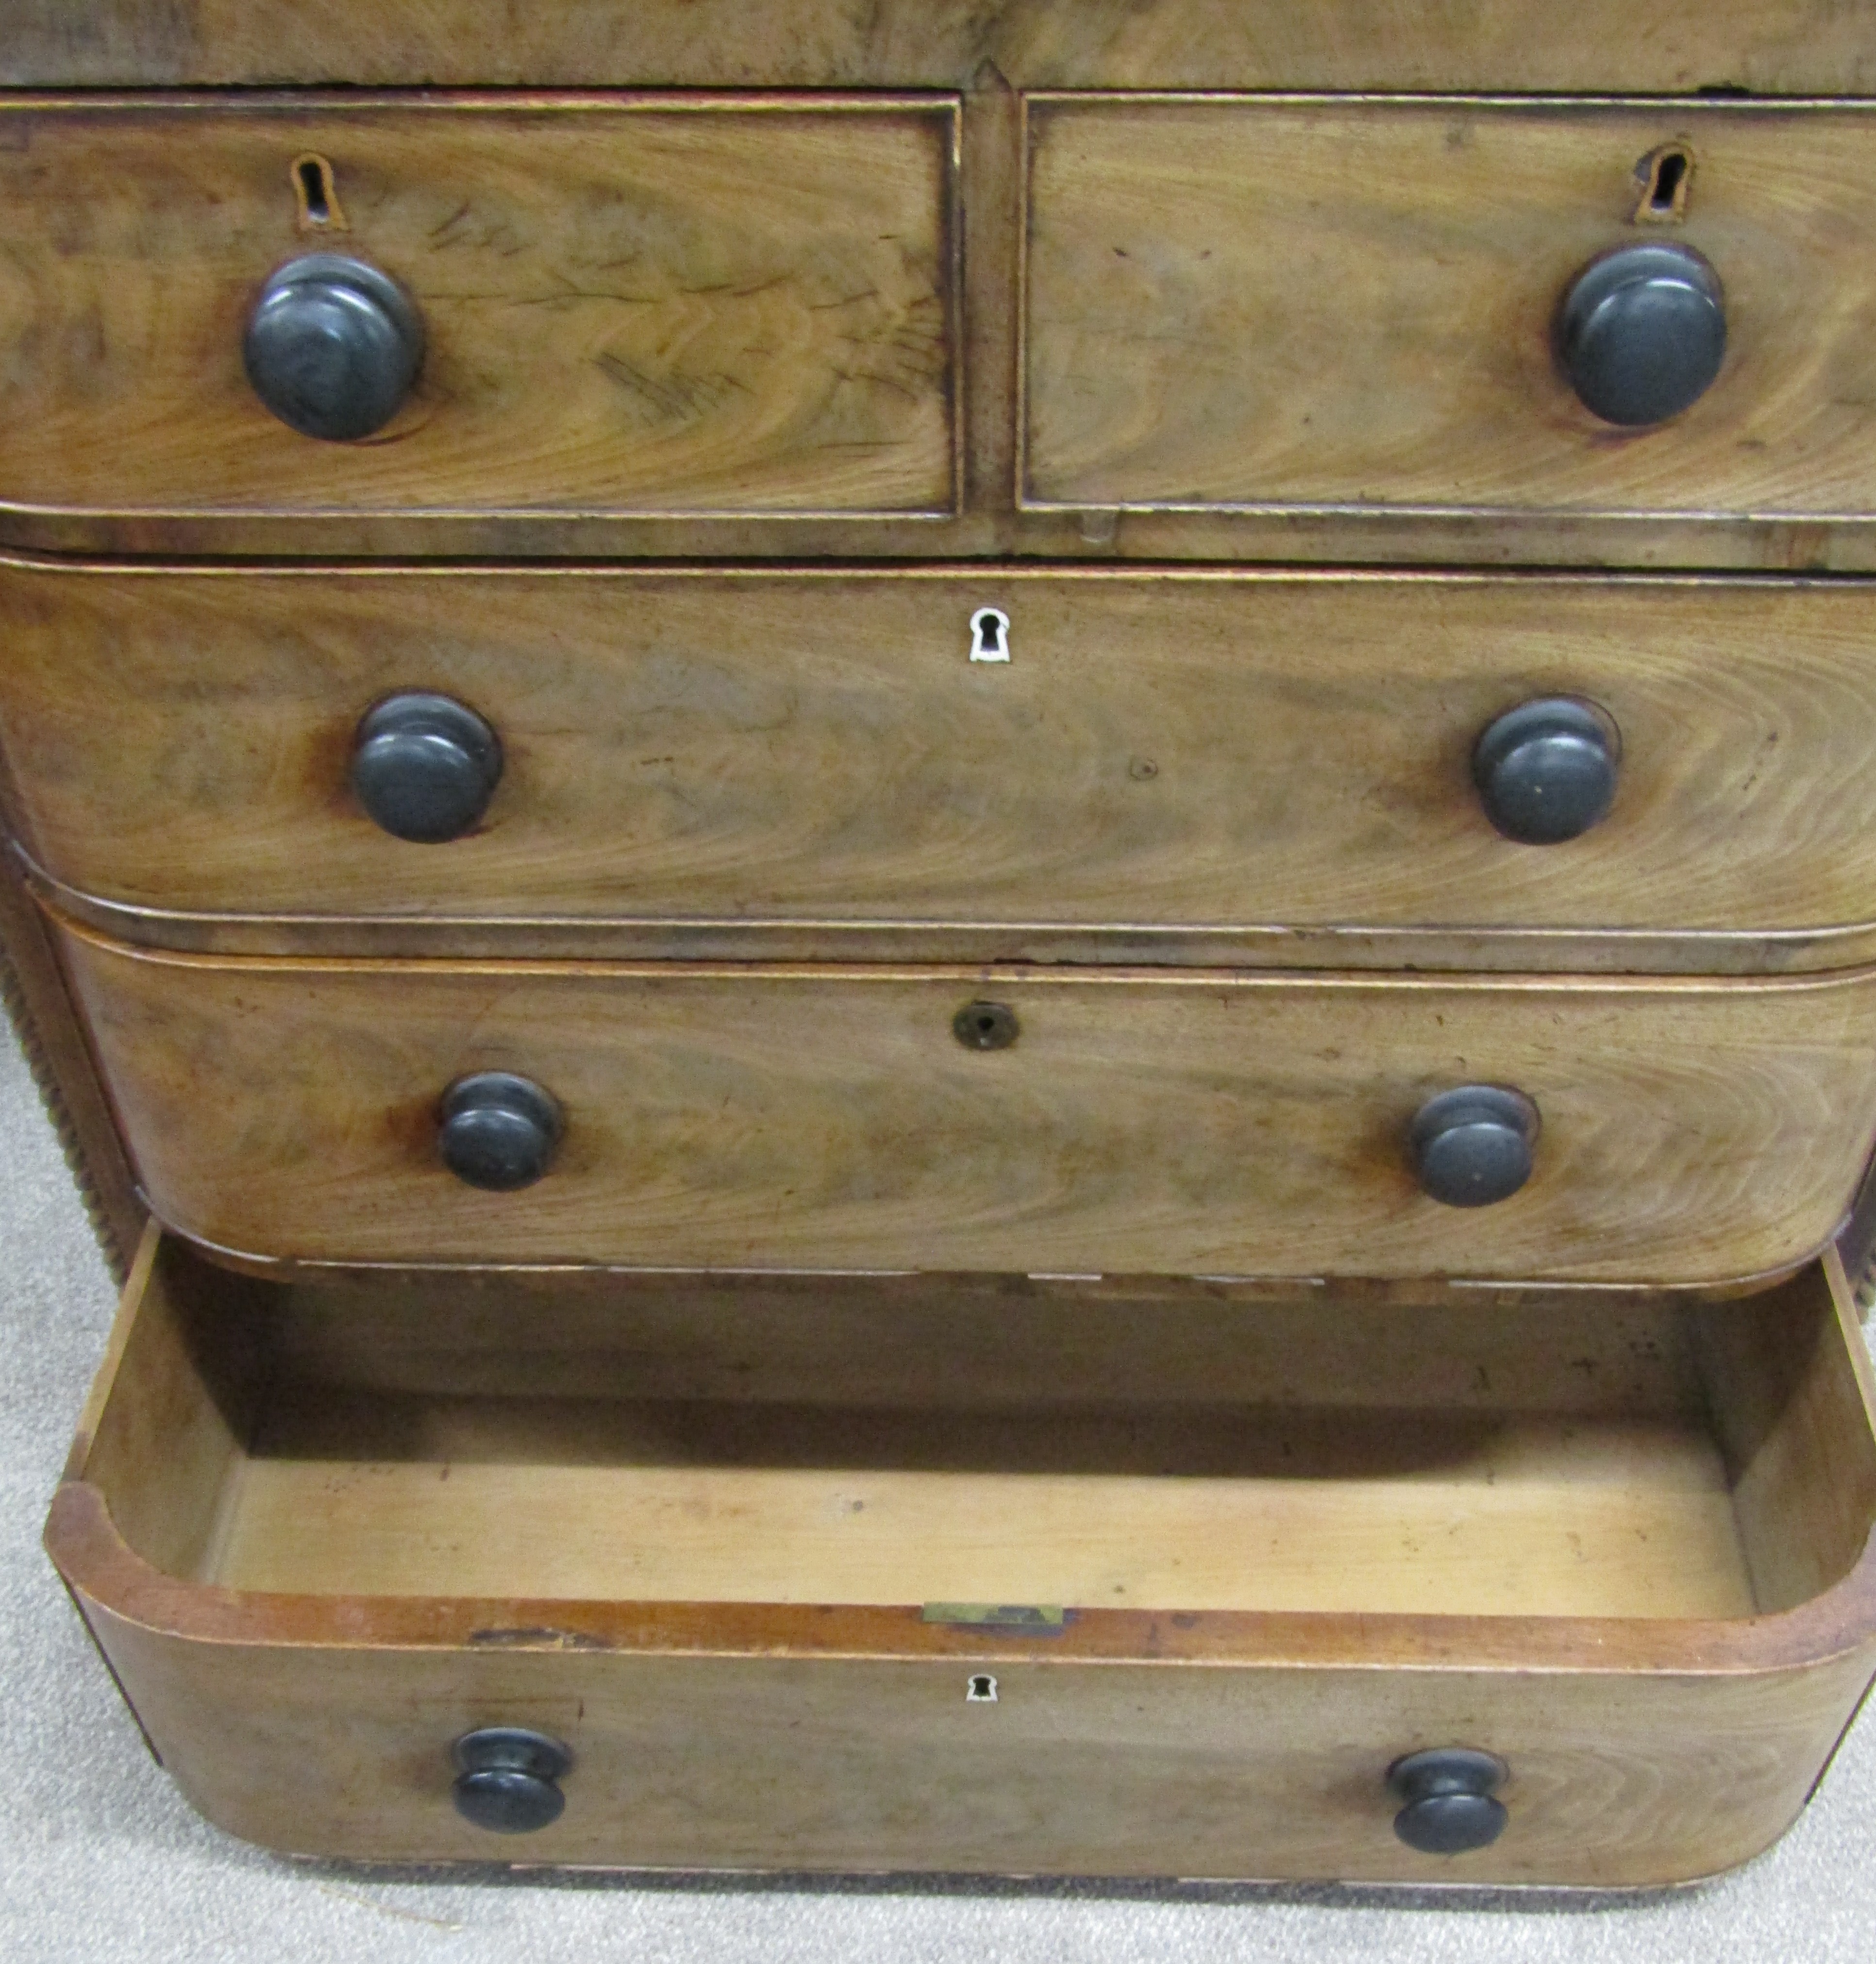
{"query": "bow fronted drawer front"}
{"type": "Point", "coordinates": [1309, 770]}
{"type": "Point", "coordinates": [1187, 1122]}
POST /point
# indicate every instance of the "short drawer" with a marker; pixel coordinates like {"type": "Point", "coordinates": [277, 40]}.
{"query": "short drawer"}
{"type": "Point", "coordinates": [1315, 305]}
{"type": "Point", "coordinates": [661, 306]}
{"type": "Point", "coordinates": [1301, 770]}
{"type": "Point", "coordinates": [1209, 1122]}
{"type": "Point", "coordinates": [1004, 1576]}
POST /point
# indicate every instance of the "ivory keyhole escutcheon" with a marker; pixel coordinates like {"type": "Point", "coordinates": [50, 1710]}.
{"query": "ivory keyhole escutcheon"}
{"type": "Point", "coordinates": [989, 635]}
{"type": "Point", "coordinates": [981, 1688]}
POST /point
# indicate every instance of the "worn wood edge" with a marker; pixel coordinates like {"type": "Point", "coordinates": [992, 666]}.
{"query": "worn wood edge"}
{"type": "Point", "coordinates": [1539, 101]}
{"type": "Point", "coordinates": [103, 1570]}
{"type": "Point", "coordinates": [540, 515]}
{"type": "Point", "coordinates": [288, 97]}
{"type": "Point", "coordinates": [956, 975]}
{"type": "Point", "coordinates": [33, 993]}
{"type": "Point", "coordinates": [991, 533]}
{"type": "Point", "coordinates": [289, 1268]}
{"type": "Point", "coordinates": [1531, 517]}
{"type": "Point", "coordinates": [1735, 953]}
{"type": "Point", "coordinates": [732, 572]}
{"type": "Point", "coordinates": [288, 100]}
{"type": "Point", "coordinates": [101, 1386]}
{"type": "Point", "coordinates": [105, 1377]}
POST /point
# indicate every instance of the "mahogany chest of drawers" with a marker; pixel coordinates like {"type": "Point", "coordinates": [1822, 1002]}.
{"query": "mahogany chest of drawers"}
{"type": "Point", "coordinates": [962, 918]}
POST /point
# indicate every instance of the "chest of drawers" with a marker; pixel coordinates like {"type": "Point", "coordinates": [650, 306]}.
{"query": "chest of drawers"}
{"type": "Point", "coordinates": [961, 918]}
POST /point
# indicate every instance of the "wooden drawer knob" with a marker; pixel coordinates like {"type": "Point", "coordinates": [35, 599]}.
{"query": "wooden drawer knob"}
{"type": "Point", "coordinates": [425, 767]}
{"type": "Point", "coordinates": [1546, 770]}
{"type": "Point", "coordinates": [333, 347]}
{"type": "Point", "coordinates": [497, 1130]}
{"type": "Point", "coordinates": [505, 1779]}
{"type": "Point", "coordinates": [1450, 1797]}
{"type": "Point", "coordinates": [1472, 1146]}
{"type": "Point", "coordinates": [1642, 333]}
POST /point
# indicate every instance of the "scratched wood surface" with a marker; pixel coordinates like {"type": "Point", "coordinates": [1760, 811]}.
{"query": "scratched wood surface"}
{"type": "Point", "coordinates": [1336, 305]}
{"type": "Point", "coordinates": [1808, 46]}
{"type": "Point", "coordinates": [314, 1714]}
{"type": "Point", "coordinates": [1219, 1122]}
{"type": "Point", "coordinates": [631, 307]}
{"type": "Point", "coordinates": [808, 764]}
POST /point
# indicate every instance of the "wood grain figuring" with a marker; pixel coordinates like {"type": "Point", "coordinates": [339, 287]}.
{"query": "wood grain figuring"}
{"type": "Point", "coordinates": [751, 1734]}
{"type": "Point", "coordinates": [769, 1118]}
{"type": "Point", "coordinates": [1182, 768]}
{"type": "Point", "coordinates": [1770, 46]}
{"type": "Point", "coordinates": [1328, 305]}
{"type": "Point", "coordinates": [631, 305]}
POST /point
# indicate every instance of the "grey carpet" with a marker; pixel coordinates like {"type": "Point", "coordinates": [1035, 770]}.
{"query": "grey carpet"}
{"type": "Point", "coordinates": [101, 1860]}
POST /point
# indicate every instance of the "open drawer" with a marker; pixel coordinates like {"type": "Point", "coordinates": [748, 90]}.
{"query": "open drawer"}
{"type": "Point", "coordinates": [982, 1575]}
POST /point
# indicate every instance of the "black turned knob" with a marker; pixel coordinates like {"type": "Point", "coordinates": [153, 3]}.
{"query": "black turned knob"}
{"type": "Point", "coordinates": [1546, 770]}
{"type": "Point", "coordinates": [333, 347]}
{"type": "Point", "coordinates": [497, 1130]}
{"type": "Point", "coordinates": [1642, 333]}
{"type": "Point", "coordinates": [425, 767]}
{"type": "Point", "coordinates": [1472, 1146]}
{"type": "Point", "coordinates": [1449, 1796]}
{"type": "Point", "coordinates": [505, 1779]}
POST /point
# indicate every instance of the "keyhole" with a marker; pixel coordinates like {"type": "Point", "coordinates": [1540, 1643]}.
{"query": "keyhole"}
{"type": "Point", "coordinates": [981, 1690]}
{"type": "Point", "coordinates": [316, 193]}
{"type": "Point", "coordinates": [989, 635]}
{"type": "Point", "coordinates": [985, 1026]}
{"type": "Point", "coordinates": [1668, 178]}
{"type": "Point", "coordinates": [1665, 176]}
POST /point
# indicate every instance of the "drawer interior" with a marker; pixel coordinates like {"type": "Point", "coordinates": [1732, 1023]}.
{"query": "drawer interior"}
{"type": "Point", "coordinates": [1078, 1444]}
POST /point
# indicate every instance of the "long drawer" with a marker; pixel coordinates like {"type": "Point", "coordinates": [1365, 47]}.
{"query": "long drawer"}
{"type": "Point", "coordinates": [701, 308]}
{"type": "Point", "coordinates": [1167, 767]}
{"type": "Point", "coordinates": [1047, 1579]}
{"type": "Point", "coordinates": [1362, 306]}
{"type": "Point", "coordinates": [1117, 1121]}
